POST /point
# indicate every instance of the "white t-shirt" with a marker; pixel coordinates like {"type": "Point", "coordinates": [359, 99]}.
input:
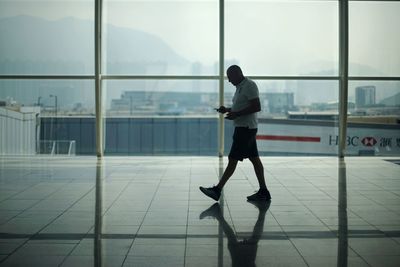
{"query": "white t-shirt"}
{"type": "Point", "coordinates": [246, 90]}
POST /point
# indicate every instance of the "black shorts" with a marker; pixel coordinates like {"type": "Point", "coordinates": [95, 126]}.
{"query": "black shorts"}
{"type": "Point", "coordinates": [244, 144]}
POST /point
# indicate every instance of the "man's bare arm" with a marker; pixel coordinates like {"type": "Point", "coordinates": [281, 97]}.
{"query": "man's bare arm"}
{"type": "Point", "coordinates": [254, 107]}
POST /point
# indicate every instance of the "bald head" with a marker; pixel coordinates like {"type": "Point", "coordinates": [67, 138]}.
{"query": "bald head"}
{"type": "Point", "coordinates": [235, 74]}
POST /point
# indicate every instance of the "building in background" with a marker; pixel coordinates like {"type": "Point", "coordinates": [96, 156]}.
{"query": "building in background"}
{"type": "Point", "coordinates": [365, 96]}
{"type": "Point", "coordinates": [278, 102]}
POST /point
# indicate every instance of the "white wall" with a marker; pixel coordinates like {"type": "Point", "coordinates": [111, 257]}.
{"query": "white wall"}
{"type": "Point", "coordinates": [17, 132]}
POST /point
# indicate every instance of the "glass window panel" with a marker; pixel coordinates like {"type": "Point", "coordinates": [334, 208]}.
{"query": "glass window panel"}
{"type": "Point", "coordinates": [374, 38]}
{"type": "Point", "coordinates": [374, 116]}
{"type": "Point", "coordinates": [161, 37]}
{"type": "Point", "coordinates": [47, 117]}
{"type": "Point", "coordinates": [46, 37]}
{"type": "Point", "coordinates": [166, 117]}
{"type": "Point", "coordinates": [282, 37]}
{"type": "Point", "coordinates": [298, 117]}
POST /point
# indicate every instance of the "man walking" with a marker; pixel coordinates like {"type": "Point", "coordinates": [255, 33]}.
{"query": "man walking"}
{"type": "Point", "coordinates": [246, 104]}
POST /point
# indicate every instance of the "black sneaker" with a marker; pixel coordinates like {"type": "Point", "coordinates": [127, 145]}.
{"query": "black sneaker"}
{"type": "Point", "coordinates": [213, 192]}
{"type": "Point", "coordinates": [260, 195]}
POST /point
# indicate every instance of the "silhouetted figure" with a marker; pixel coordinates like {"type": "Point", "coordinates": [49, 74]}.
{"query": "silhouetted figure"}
{"type": "Point", "coordinates": [246, 104]}
{"type": "Point", "coordinates": [243, 252]}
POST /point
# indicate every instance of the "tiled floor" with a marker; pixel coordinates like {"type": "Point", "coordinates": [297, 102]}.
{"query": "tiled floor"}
{"type": "Point", "coordinates": [148, 211]}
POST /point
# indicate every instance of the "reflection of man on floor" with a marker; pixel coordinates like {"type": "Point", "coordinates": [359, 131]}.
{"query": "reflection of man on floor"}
{"type": "Point", "coordinates": [244, 252]}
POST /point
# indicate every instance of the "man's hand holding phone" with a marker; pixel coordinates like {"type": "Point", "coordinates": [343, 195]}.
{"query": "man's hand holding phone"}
{"type": "Point", "coordinates": [222, 109]}
{"type": "Point", "coordinates": [230, 116]}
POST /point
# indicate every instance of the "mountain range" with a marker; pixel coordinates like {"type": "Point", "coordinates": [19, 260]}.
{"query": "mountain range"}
{"type": "Point", "coordinates": [35, 45]}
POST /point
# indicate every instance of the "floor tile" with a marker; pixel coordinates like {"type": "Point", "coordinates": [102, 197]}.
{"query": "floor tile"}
{"type": "Point", "coordinates": [149, 211]}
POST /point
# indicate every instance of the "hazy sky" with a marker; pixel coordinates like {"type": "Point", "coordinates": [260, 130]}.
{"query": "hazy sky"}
{"type": "Point", "coordinates": [266, 37]}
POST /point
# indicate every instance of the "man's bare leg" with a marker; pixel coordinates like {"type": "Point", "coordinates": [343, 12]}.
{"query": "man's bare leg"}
{"type": "Point", "coordinates": [259, 170]}
{"type": "Point", "coordinates": [230, 169]}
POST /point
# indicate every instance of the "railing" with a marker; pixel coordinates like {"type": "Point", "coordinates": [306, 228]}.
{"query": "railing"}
{"type": "Point", "coordinates": [57, 147]}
